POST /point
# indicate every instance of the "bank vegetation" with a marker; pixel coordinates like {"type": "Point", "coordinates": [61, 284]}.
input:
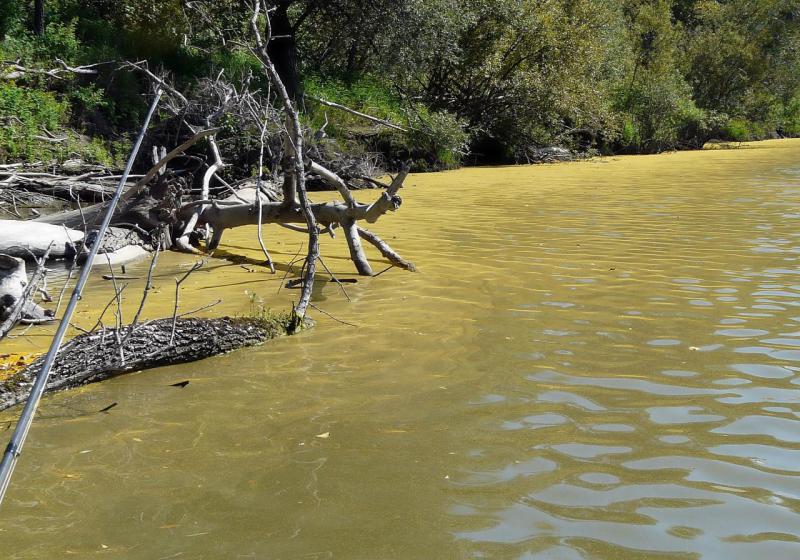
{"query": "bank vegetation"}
{"type": "Point", "coordinates": [464, 81]}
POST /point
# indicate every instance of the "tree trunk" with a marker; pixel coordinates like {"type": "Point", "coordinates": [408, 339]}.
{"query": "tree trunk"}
{"type": "Point", "coordinates": [282, 50]}
{"type": "Point", "coordinates": [23, 239]}
{"type": "Point", "coordinates": [38, 18]}
{"type": "Point", "coordinates": [223, 217]}
{"type": "Point", "coordinates": [98, 356]}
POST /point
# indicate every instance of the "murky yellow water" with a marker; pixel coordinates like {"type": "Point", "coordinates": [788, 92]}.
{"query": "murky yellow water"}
{"type": "Point", "coordinates": [597, 360]}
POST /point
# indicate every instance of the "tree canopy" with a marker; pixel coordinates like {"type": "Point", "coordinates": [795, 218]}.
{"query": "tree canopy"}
{"type": "Point", "coordinates": [493, 78]}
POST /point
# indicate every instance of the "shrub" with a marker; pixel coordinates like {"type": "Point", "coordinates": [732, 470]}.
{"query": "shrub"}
{"type": "Point", "coordinates": [26, 112]}
{"type": "Point", "coordinates": [630, 134]}
{"type": "Point", "coordinates": [659, 114]}
{"type": "Point", "coordinates": [737, 130]}
{"type": "Point", "coordinates": [368, 95]}
{"type": "Point", "coordinates": [441, 135]}
{"type": "Point", "coordinates": [790, 123]}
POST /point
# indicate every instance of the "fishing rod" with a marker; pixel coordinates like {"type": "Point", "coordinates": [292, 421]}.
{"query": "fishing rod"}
{"type": "Point", "coordinates": [14, 448]}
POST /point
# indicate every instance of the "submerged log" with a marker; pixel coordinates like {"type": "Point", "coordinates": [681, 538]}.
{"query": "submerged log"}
{"type": "Point", "coordinates": [99, 355]}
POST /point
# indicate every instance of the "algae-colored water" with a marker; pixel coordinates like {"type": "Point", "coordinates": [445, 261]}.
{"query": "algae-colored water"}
{"type": "Point", "coordinates": [596, 360]}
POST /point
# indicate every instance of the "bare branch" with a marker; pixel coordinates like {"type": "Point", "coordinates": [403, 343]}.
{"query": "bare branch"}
{"type": "Point", "coordinates": [178, 283]}
{"type": "Point", "coordinates": [390, 254]}
{"type": "Point", "coordinates": [376, 120]}
{"type": "Point", "coordinates": [15, 71]}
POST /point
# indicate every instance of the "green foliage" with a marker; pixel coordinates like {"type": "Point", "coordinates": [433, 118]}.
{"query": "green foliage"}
{"type": "Point", "coordinates": [737, 130]}
{"type": "Point", "coordinates": [368, 95]}
{"type": "Point", "coordinates": [10, 12]}
{"type": "Point", "coordinates": [237, 64]}
{"type": "Point", "coordinates": [436, 139]}
{"type": "Point", "coordinates": [25, 113]}
{"type": "Point", "coordinates": [523, 73]}
{"type": "Point", "coordinates": [661, 115]}
{"type": "Point", "coordinates": [89, 97]}
{"type": "Point", "coordinates": [59, 41]}
{"type": "Point", "coordinates": [630, 136]}
{"type": "Point", "coordinates": [790, 124]}
{"type": "Point", "coordinates": [440, 135]}
{"type": "Point", "coordinates": [35, 102]}
{"type": "Point", "coordinates": [501, 76]}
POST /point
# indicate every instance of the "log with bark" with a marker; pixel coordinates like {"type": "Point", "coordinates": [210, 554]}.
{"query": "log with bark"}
{"type": "Point", "coordinates": [107, 353]}
{"type": "Point", "coordinates": [60, 186]}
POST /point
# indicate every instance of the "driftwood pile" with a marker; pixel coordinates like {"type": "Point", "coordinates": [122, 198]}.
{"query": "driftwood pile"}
{"type": "Point", "coordinates": [183, 202]}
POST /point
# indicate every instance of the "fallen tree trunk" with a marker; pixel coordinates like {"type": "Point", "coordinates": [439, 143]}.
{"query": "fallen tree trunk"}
{"type": "Point", "coordinates": [26, 239]}
{"type": "Point", "coordinates": [221, 217]}
{"type": "Point", "coordinates": [130, 198]}
{"type": "Point", "coordinates": [191, 211]}
{"type": "Point", "coordinates": [99, 355]}
{"type": "Point", "coordinates": [63, 187]}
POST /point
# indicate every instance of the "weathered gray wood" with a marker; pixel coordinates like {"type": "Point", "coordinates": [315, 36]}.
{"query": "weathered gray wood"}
{"type": "Point", "coordinates": [390, 254]}
{"type": "Point", "coordinates": [16, 294]}
{"type": "Point", "coordinates": [67, 188]}
{"type": "Point", "coordinates": [94, 357]}
{"type": "Point", "coordinates": [23, 239]}
{"type": "Point", "coordinates": [182, 243]}
{"type": "Point", "coordinates": [356, 250]}
{"type": "Point", "coordinates": [334, 180]}
{"type": "Point", "coordinates": [12, 278]}
{"type": "Point", "coordinates": [221, 217]}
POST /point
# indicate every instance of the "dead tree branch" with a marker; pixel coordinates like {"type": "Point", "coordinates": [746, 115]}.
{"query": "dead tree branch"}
{"type": "Point", "coordinates": [15, 71]}
{"type": "Point", "coordinates": [370, 118]}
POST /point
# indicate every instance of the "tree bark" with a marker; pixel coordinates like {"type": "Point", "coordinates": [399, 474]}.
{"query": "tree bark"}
{"type": "Point", "coordinates": [282, 50]}
{"type": "Point", "coordinates": [96, 356]}
{"type": "Point", "coordinates": [38, 18]}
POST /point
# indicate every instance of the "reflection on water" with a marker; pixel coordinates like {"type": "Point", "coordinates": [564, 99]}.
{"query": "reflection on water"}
{"type": "Point", "coordinates": [597, 360]}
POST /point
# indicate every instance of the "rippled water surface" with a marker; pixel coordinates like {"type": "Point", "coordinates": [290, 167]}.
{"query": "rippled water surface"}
{"type": "Point", "coordinates": [596, 360]}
